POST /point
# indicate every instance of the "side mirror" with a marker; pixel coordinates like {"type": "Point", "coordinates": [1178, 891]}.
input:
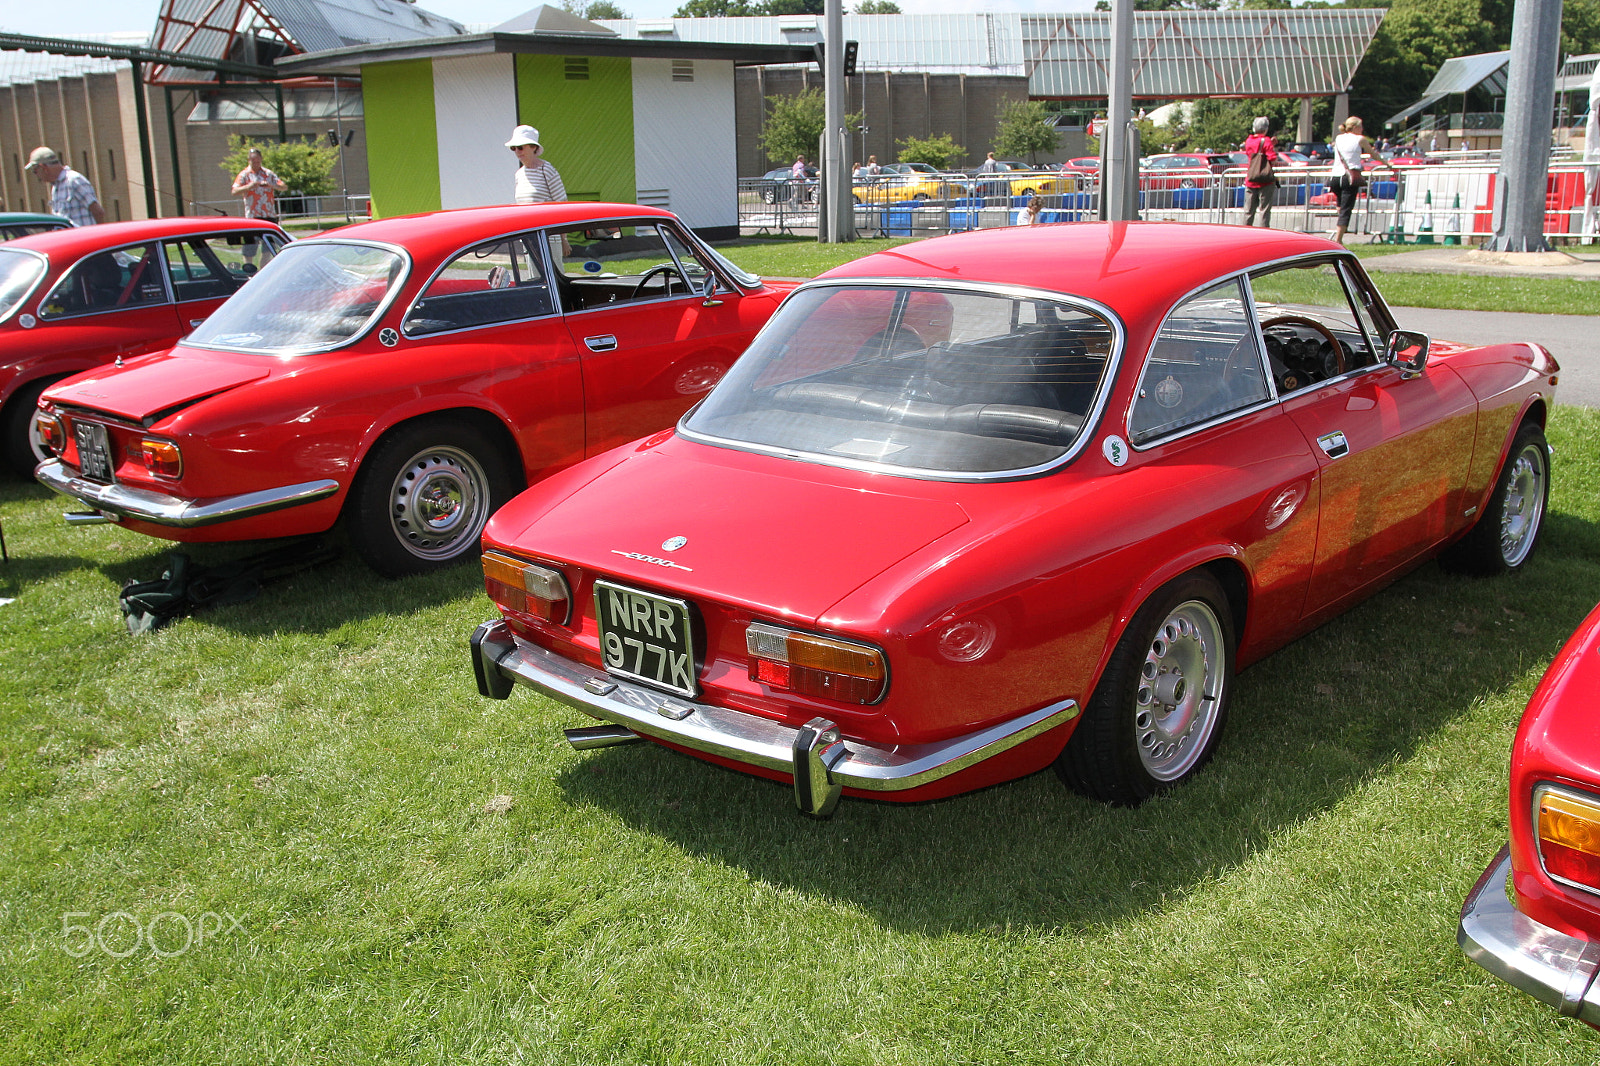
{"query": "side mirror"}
{"type": "Point", "coordinates": [1407, 351]}
{"type": "Point", "coordinates": [708, 289]}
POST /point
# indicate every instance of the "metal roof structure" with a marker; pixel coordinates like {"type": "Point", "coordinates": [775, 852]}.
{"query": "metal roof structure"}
{"type": "Point", "coordinates": [19, 67]}
{"type": "Point", "coordinates": [1488, 70]}
{"type": "Point", "coordinates": [1296, 52]}
{"type": "Point", "coordinates": [258, 31]}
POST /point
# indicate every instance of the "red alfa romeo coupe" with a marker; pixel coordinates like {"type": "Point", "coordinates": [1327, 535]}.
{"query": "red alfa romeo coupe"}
{"type": "Point", "coordinates": [408, 375]}
{"type": "Point", "coordinates": [72, 299]}
{"type": "Point", "coordinates": [1545, 938]}
{"type": "Point", "coordinates": [976, 506]}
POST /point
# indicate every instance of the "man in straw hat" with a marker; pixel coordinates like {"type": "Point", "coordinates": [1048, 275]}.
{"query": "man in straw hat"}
{"type": "Point", "coordinates": [71, 195]}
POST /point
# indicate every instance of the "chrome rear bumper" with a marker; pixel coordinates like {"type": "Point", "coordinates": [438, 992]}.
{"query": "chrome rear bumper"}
{"type": "Point", "coordinates": [158, 508]}
{"type": "Point", "coordinates": [1546, 964]}
{"type": "Point", "coordinates": [820, 761]}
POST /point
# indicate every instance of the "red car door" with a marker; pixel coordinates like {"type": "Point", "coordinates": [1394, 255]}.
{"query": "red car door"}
{"type": "Point", "coordinates": [113, 304]}
{"type": "Point", "coordinates": [653, 348]}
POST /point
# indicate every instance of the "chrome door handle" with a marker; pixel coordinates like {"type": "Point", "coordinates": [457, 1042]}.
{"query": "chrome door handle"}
{"type": "Point", "coordinates": [606, 343]}
{"type": "Point", "coordinates": [1334, 444]}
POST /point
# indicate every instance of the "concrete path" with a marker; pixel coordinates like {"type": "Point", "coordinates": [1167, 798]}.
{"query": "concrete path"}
{"type": "Point", "coordinates": [1573, 339]}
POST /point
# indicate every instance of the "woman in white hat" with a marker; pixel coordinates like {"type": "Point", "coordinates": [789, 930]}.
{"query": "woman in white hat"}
{"type": "Point", "coordinates": [536, 181]}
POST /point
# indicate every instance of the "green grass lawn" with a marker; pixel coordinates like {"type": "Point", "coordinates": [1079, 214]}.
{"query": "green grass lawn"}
{"type": "Point", "coordinates": [291, 831]}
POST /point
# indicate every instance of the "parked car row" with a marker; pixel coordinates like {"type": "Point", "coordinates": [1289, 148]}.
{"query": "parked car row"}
{"type": "Point", "coordinates": [560, 391]}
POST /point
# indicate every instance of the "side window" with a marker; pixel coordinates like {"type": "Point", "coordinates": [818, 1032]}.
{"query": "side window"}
{"type": "Point", "coordinates": [1204, 363]}
{"type": "Point", "coordinates": [109, 281]}
{"type": "Point", "coordinates": [1310, 325]}
{"type": "Point", "coordinates": [500, 281]}
{"type": "Point", "coordinates": [206, 268]}
{"type": "Point", "coordinates": [618, 264]}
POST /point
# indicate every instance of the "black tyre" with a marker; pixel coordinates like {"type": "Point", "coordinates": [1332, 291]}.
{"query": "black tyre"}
{"type": "Point", "coordinates": [769, 196]}
{"type": "Point", "coordinates": [24, 451]}
{"type": "Point", "coordinates": [1507, 531]}
{"type": "Point", "coordinates": [422, 496]}
{"type": "Point", "coordinates": [919, 197]}
{"type": "Point", "coordinates": [1155, 717]}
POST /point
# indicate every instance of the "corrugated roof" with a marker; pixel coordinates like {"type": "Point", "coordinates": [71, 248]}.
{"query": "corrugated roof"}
{"type": "Point", "coordinates": [1177, 53]}
{"type": "Point", "coordinates": [210, 28]}
{"type": "Point", "coordinates": [1457, 76]}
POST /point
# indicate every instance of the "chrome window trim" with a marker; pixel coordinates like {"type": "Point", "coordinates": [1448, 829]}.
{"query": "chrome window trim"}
{"type": "Point", "coordinates": [1533, 827]}
{"type": "Point", "coordinates": [360, 334]}
{"type": "Point", "coordinates": [1091, 418]}
{"type": "Point", "coordinates": [1272, 386]}
{"type": "Point", "coordinates": [33, 286]}
{"type": "Point", "coordinates": [538, 236]}
{"type": "Point", "coordinates": [166, 283]}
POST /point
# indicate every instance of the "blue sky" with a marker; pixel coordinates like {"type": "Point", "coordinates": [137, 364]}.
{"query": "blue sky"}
{"type": "Point", "coordinates": [107, 16]}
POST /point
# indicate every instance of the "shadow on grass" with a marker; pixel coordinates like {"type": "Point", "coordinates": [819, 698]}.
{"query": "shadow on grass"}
{"type": "Point", "coordinates": [318, 599]}
{"type": "Point", "coordinates": [1310, 725]}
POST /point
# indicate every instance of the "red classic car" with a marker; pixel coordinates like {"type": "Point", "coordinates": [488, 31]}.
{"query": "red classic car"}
{"type": "Point", "coordinates": [991, 502]}
{"type": "Point", "coordinates": [71, 299]}
{"type": "Point", "coordinates": [411, 375]}
{"type": "Point", "coordinates": [1545, 939]}
{"type": "Point", "coordinates": [1182, 170]}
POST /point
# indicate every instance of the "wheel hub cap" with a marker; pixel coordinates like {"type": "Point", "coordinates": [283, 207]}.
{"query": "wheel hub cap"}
{"type": "Point", "coordinates": [1180, 689]}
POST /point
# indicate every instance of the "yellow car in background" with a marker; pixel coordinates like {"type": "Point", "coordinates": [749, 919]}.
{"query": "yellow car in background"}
{"type": "Point", "coordinates": [899, 182]}
{"type": "Point", "coordinates": [1018, 179]}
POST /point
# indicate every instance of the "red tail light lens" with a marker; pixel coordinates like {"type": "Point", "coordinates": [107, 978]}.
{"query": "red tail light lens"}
{"type": "Point", "coordinates": [526, 588]}
{"type": "Point", "coordinates": [812, 665]}
{"type": "Point", "coordinates": [1568, 830]}
{"type": "Point", "coordinates": [161, 457]}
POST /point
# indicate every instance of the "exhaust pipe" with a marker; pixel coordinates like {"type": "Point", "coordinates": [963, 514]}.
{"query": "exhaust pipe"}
{"type": "Point", "coordinates": [600, 736]}
{"type": "Point", "coordinates": [85, 518]}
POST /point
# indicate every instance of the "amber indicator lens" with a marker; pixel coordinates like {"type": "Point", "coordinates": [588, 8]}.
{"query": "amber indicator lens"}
{"type": "Point", "coordinates": [52, 434]}
{"type": "Point", "coordinates": [813, 665]}
{"type": "Point", "coordinates": [526, 588]}
{"type": "Point", "coordinates": [161, 457]}
{"type": "Point", "coordinates": [1569, 837]}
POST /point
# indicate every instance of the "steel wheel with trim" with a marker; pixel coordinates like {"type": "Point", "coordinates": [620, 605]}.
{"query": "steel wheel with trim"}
{"type": "Point", "coordinates": [422, 496]}
{"type": "Point", "coordinates": [1158, 711]}
{"type": "Point", "coordinates": [1507, 530]}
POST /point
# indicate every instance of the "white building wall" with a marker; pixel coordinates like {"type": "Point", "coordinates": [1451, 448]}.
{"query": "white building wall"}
{"type": "Point", "coordinates": [475, 106]}
{"type": "Point", "coordinates": [683, 139]}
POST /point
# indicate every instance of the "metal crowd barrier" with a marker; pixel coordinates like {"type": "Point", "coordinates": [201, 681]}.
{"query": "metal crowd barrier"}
{"type": "Point", "coordinates": [1432, 204]}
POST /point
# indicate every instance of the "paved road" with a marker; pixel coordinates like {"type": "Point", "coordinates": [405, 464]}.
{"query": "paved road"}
{"type": "Point", "coordinates": [1573, 339]}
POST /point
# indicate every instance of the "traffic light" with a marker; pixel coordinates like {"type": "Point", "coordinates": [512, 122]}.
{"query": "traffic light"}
{"type": "Point", "coordinates": [850, 50]}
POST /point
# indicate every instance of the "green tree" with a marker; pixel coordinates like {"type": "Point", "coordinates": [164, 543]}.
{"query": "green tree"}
{"type": "Point", "coordinates": [306, 167]}
{"type": "Point", "coordinates": [1168, 5]}
{"type": "Point", "coordinates": [1025, 128]}
{"type": "Point", "coordinates": [940, 151]}
{"type": "Point", "coordinates": [877, 7]}
{"type": "Point", "coordinates": [594, 9]}
{"type": "Point", "coordinates": [716, 9]}
{"type": "Point", "coordinates": [791, 7]}
{"type": "Point", "coordinates": [794, 126]}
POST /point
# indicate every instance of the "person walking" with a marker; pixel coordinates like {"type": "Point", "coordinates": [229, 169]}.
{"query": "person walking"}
{"type": "Point", "coordinates": [1350, 149]}
{"type": "Point", "coordinates": [989, 165]}
{"type": "Point", "coordinates": [1261, 180]}
{"type": "Point", "coordinates": [71, 195]}
{"type": "Point", "coordinates": [536, 180]}
{"type": "Point", "coordinates": [259, 188]}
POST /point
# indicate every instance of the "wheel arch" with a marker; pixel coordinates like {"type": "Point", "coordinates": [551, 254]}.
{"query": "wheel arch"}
{"type": "Point", "coordinates": [485, 422]}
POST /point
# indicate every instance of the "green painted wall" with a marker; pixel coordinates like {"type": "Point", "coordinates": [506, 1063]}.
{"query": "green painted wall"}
{"type": "Point", "coordinates": [402, 137]}
{"type": "Point", "coordinates": [585, 127]}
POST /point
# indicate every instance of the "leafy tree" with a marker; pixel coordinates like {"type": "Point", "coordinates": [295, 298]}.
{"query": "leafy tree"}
{"type": "Point", "coordinates": [1025, 129]}
{"type": "Point", "coordinates": [716, 8]}
{"type": "Point", "coordinates": [877, 7]}
{"type": "Point", "coordinates": [306, 167]}
{"type": "Point", "coordinates": [791, 7]}
{"type": "Point", "coordinates": [940, 151]}
{"type": "Point", "coordinates": [794, 126]}
{"type": "Point", "coordinates": [1165, 5]}
{"type": "Point", "coordinates": [594, 9]}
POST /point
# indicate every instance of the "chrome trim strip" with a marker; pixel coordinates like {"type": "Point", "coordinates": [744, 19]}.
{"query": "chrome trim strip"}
{"type": "Point", "coordinates": [736, 735]}
{"type": "Point", "coordinates": [1547, 964]}
{"type": "Point", "coordinates": [160, 509]}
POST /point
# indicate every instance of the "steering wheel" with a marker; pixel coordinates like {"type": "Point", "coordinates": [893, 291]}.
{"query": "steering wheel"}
{"type": "Point", "coordinates": [664, 268]}
{"type": "Point", "coordinates": [1312, 324]}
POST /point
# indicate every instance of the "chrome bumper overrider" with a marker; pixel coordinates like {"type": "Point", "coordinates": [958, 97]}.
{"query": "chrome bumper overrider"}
{"type": "Point", "coordinates": [1546, 964]}
{"type": "Point", "coordinates": [821, 762]}
{"type": "Point", "coordinates": [158, 508]}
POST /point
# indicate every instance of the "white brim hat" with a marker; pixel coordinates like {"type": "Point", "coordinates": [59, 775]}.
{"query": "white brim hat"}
{"type": "Point", "coordinates": [523, 135]}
